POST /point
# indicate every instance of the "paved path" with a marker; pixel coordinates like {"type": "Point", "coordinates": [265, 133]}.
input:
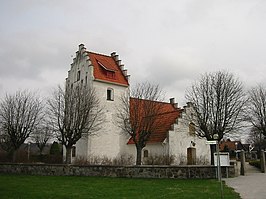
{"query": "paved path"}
{"type": "Point", "coordinates": [250, 186]}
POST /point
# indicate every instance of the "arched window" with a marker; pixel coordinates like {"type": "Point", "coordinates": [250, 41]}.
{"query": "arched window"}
{"type": "Point", "coordinates": [73, 151]}
{"type": "Point", "coordinates": [110, 94]}
{"type": "Point", "coordinates": [192, 128]}
{"type": "Point", "coordinates": [78, 75]}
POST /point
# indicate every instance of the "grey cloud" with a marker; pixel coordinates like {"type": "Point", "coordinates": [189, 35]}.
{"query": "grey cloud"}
{"type": "Point", "coordinates": [169, 42]}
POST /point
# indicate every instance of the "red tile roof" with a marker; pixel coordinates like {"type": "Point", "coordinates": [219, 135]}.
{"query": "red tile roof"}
{"type": "Point", "coordinates": [166, 117]}
{"type": "Point", "coordinates": [230, 144]}
{"type": "Point", "coordinates": [106, 69]}
{"type": "Point", "coordinates": [233, 145]}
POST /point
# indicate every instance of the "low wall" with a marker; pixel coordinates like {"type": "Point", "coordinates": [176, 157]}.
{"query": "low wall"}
{"type": "Point", "coordinates": [180, 172]}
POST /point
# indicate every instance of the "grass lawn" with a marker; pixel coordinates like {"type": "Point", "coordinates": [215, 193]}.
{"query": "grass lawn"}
{"type": "Point", "coordinates": [21, 186]}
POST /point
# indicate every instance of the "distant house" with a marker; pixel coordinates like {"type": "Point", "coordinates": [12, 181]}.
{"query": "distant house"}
{"type": "Point", "coordinates": [108, 76]}
{"type": "Point", "coordinates": [233, 147]}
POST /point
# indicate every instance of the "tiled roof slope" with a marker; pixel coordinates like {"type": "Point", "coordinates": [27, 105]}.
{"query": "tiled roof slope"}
{"type": "Point", "coordinates": [106, 69]}
{"type": "Point", "coordinates": [165, 119]}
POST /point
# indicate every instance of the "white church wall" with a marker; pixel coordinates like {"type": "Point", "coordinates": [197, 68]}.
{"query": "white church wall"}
{"type": "Point", "coordinates": [82, 65]}
{"type": "Point", "coordinates": [155, 149]}
{"type": "Point", "coordinates": [109, 141]}
{"type": "Point", "coordinates": [106, 141]}
{"type": "Point", "coordinates": [82, 148]}
{"type": "Point", "coordinates": [180, 139]}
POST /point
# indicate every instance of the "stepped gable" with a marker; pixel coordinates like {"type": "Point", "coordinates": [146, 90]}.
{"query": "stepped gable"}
{"type": "Point", "coordinates": [105, 68]}
{"type": "Point", "coordinates": [166, 117]}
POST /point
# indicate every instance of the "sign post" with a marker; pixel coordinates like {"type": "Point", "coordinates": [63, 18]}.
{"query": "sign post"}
{"type": "Point", "coordinates": [215, 142]}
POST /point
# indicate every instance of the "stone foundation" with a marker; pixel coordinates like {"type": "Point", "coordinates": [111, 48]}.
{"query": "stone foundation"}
{"type": "Point", "coordinates": [179, 172]}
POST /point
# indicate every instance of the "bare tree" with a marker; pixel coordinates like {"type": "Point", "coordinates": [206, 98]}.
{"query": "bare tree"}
{"type": "Point", "coordinates": [256, 111]}
{"type": "Point", "coordinates": [19, 116]}
{"type": "Point", "coordinates": [219, 101]}
{"type": "Point", "coordinates": [138, 114]}
{"type": "Point", "coordinates": [256, 139]}
{"type": "Point", "coordinates": [42, 135]}
{"type": "Point", "coordinates": [5, 142]}
{"type": "Point", "coordinates": [74, 113]}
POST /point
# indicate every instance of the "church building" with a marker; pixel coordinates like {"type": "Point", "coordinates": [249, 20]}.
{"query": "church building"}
{"type": "Point", "coordinates": [175, 135]}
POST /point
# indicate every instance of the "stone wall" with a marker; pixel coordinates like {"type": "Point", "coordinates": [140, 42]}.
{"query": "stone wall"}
{"type": "Point", "coordinates": [180, 172]}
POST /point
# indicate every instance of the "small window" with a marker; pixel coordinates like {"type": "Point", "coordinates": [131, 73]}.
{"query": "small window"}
{"type": "Point", "coordinates": [78, 75]}
{"type": "Point", "coordinates": [192, 128]}
{"type": "Point", "coordinates": [73, 151]}
{"type": "Point", "coordinates": [110, 94]}
{"type": "Point", "coordinates": [110, 74]}
{"type": "Point", "coordinates": [146, 153]}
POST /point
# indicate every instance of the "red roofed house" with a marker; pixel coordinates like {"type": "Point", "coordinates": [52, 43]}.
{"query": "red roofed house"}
{"type": "Point", "coordinates": [174, 132]}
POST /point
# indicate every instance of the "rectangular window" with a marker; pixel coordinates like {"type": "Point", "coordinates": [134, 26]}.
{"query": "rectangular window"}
{"type": "Point", "coordinates": [110, 94]}
{"type": "Point", "coordinates": [110, 75]}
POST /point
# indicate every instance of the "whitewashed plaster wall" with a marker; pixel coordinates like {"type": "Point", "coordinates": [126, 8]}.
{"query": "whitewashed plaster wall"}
{"type": "Point", "coordinates": [156, 149]}
{"type": "Point", "coordinates": [80, 63]}
{"type": "Point", "coordinates": [180, 139]}
{"type": "Point", "coordinates": [110, 141]}
{"type": "Point", "coordinates": [106, 141]}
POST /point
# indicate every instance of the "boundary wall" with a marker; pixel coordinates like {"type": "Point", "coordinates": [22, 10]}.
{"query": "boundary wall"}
{"type": "Point", "coordinates": [144, 171]}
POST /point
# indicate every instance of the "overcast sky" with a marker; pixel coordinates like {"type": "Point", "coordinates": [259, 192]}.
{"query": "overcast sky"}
{"type": "Point", "coordinates": [169, 42]}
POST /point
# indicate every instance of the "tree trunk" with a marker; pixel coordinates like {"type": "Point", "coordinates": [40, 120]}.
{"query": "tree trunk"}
{"type": "Point", "coordinates": [138, 160]}
{"type": "Point", "coordinates": [68, 154]}
{"type": "Point", "coordinates": [14, 155]}
{"type": "Point", "coordinates": [213, 150]}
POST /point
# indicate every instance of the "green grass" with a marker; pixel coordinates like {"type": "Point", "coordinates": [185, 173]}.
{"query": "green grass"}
{"type": "Point", "coordinates": [21, 186]}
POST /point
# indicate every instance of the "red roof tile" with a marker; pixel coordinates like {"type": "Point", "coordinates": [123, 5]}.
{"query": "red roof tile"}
{"type": "Point", "coordinates": [106, 69]}
{"type": "Point", "coordinates": [230, 144]}
{"type": "Point", "coordinates": [233, 145]}
{"type": "Point", "coordinates": [165, 118]}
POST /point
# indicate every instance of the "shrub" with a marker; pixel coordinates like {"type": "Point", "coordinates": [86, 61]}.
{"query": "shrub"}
{"type": "Point", "coordinates": [55, 149]}
{"type": "Point", "coordinates": [123, 160]}
{"type": "Point", "coordinates": [255, 163]}
{"type": "Point", "coordinates": [182, 159]}
{"type": "Point", "coordinates": [159, 160]}
{"type": "Point", "coordinates": [202, 160]}
{"type": "Point", "coordinates": [96, 160]}
{"type": "Point", "coordinates": [4, 157]}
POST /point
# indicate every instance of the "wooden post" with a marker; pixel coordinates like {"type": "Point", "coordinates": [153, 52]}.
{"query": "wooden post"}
{"type": "Point", "coordinates": [262, 161]}
{"type": "Point", "coordinates": [243, 162]}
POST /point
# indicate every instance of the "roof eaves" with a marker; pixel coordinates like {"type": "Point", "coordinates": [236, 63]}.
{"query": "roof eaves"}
{"type": "Point", "coordinates": [110, 82]}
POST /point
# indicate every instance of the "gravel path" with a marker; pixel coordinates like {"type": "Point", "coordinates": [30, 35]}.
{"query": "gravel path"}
{"type": "Point", "coordinates": [250, 186]}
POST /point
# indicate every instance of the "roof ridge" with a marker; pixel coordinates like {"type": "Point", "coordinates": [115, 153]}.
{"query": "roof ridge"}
{"type": "Point", "coordinates": [178, 108]}
{"type": "Point", "coordinates": [150, 100]}
{"type": "Point", "coordinates": [99, 54]}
